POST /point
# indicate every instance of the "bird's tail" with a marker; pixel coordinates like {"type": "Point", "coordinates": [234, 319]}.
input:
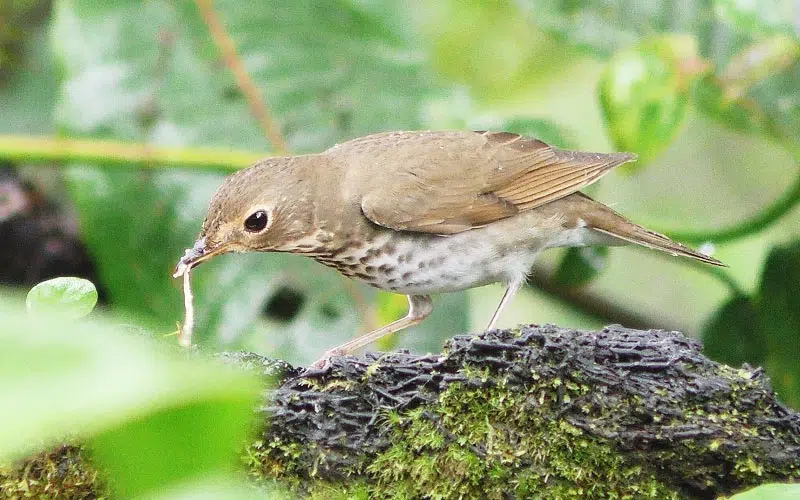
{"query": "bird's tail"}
{"type": "Point", "coordinates": [608, 222]}
{"type": "Point", "coordinates": [640, 236]}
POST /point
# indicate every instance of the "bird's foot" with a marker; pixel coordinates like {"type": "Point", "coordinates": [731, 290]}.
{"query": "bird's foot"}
{"type": "Point", "coordinates": [324, 363]}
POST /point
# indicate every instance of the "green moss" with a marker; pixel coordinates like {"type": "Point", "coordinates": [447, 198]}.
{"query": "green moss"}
{"type": "Point", "coordinates": [285, 464]}
{"type": "Point", "coordinates": [60, 473]}
{"type": "Point", "coordinates": [271, 459]}
{"type": "Point", "coordinates": [471, 442]}
{"type": "Point", "coordinates": [735, 424]}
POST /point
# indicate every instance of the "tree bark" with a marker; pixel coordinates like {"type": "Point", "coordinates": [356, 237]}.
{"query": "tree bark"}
{"type": "Point", "coordinates": [529, 412]}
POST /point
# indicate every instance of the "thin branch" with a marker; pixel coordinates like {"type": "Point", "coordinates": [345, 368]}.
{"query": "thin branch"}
{"type": "Point", "coordinates": [723, 276]}
{"type": "Point", "coordinates": [258, 107]}
{"type": "Point", "coordinates": [780, 207]}
{"type": "Point", "coordinates": [593, 304]}
{"type": "Point", "coordinates": [614, 312]}
{"type": "Point", "coordinates": [50, 149]}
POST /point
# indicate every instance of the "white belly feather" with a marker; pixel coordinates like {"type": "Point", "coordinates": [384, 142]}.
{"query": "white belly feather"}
{"type": "Point", "coordinates": [415, 263]}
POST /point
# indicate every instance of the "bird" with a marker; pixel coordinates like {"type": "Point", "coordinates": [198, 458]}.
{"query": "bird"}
{"type": "Point", "coordinates": [422, 212]}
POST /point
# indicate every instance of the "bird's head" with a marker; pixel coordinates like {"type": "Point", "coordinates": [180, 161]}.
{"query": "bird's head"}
{"type": "Point", "coordinates": [262, 208]}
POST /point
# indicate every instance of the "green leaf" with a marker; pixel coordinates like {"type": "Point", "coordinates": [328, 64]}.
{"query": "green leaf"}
{"type": "Point", "coordinates": [606, 27]}
{"type": "Point", "coordinates": [61, 380]}
{"type": "Point", "coordinates": [644, 94]}
{"type": "Point", "coordinates": [779, 316]}
{"type": "Point", "coordinates": [709, 96]}
{"type": "Point", "coordinates": [191, 441]}
{"type": "Point", "coordinates": [774, 491]}
{"type": "Point", "coordinates": [580, 265]}
{"type": "Point", "coordinates": [722, 30]}
{"type": "Point", "coordinates": [390, 306]}
{"type": "Point", "coordinates": [70, 298]}
{"type": "Point", "coordinates": [732, 335]}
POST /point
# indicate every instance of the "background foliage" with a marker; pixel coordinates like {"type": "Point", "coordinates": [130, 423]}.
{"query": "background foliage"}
{"type": "Point", "coordinates": [707, 92]}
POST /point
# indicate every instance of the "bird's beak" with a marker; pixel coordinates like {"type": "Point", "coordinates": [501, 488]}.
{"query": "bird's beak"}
{"type": "Point", "coordinates": [195, 255]}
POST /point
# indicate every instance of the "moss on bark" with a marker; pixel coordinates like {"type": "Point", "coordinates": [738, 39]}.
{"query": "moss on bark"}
{"type": "Point", "coordinates": [536, 412]}
{"type": "Point", "coordinates": [59, 473]}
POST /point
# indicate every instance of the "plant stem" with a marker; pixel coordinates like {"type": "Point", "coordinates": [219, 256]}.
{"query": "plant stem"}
{"type": "Point", "coordinates": [613, 312]}
{"type": "Point", "coordinates": [780, 207]}
{"type": "Point", "coordinates": [720, 273]}
{"type": "Point", "coordinates": [593, 304]}
{"type": "Point", "coordinates": [51, 149]}
{"type": "Point", "coordinates": [227, 48]}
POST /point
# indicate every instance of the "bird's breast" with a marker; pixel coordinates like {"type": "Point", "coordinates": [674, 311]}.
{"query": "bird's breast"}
{"type": "Point", "coordinates": [418, 263]}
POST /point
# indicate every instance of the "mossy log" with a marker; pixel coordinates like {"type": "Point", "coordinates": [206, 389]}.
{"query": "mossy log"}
{"type": "Point", "coordinates": [538, 411]}
{"type": "Point", "coordinates": [530, 412]}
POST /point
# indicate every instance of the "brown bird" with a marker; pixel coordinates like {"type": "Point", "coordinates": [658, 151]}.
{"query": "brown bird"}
{"type": "Point", "coordinates": [421, 212]}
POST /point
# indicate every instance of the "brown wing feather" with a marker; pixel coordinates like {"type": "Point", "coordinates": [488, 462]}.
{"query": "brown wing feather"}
{"type": "Point", "coordinates": [448, 182]}
{"type": "Point", "coordinates": [568, 172]}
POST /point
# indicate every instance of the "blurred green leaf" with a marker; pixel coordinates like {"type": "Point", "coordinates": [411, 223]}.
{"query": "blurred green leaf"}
{"type": "Point", "coordinates": [644, 94]}
{"type": "Point", "coordinates": [776, 97]}
{"type": "Point", "coordinates": [604, 27]}
{"type": "Point", "coordinates": [20, 19]}
{"type": "Point", "coordinates": [779, 316]}
{"type": "Point", "coordinates": [192, 441]}
{"type": "Point", "coordinates": [608, 26]}
{"type": "Point", "coordinates": [579, 266]}
{"type": "Point", "coordinates": [773, 491]}
{"type": "Point", "coordinates": [723, 31]}
{"type": "Point", "coordinates": [217, 489]}
{"type": "Point", "coordinates": [67, 297]}
{"type": "Point", "coordinates": [388, 307]}
{"type": "Point", "coordinates": [490, 46]}
{"type": "Point", "coordinates": [28, 94]}
{"type": "Point", "coordinates": [732, 335]}
{"type": "Point", "coordinates": [449, 317]}
{"type": "Point", "coordinates": [543, 130]}
{"type": "Point", "coordinates": [758, 61]}
{"type": "Point", "coordinates": [761, 17]}
{"type": "Point", "coordinates": [73, 380]}
{"type": "Point", "coordinates": [151, 73]}
{"type": "Point", "coordinates": [709, 97]}
{"type": "Point", "coordinates": [756, 90]}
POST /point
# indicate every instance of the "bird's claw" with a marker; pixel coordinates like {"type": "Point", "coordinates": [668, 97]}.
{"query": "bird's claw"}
{"type": "Point", "coordinates": [323, 364]}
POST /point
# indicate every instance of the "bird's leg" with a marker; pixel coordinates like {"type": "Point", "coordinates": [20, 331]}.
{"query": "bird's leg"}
{"type": "Point", "coordinates": [511, 289]}
{"type": "Point", "coordinates": [419, 307]}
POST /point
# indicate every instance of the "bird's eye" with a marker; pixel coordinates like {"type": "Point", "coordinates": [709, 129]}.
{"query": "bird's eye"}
{"type": "Point", "coordinates": [257, 221]}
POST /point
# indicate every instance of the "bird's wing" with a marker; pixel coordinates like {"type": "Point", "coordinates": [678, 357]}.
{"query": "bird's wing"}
{"type": "Point", "coordinates": [449, 182]}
